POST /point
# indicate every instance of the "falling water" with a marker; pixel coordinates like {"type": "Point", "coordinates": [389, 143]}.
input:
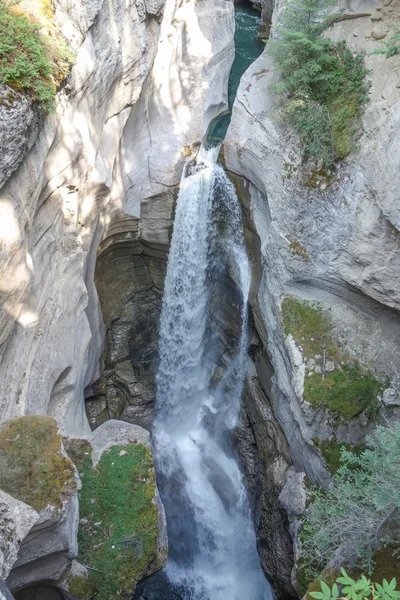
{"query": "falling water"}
{"type": "Point", "coordinates": [212, 544]}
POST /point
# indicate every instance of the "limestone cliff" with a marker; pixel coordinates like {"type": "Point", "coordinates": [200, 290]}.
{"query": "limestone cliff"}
{"type": "Point", "coordinates": [327, 299]}
{"type": "Point", "coordinates": [149, 77]}
{"type": "Point", "coordinates": [333, 242]}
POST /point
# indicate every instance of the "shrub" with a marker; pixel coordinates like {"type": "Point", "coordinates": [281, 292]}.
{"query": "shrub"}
{"type": "Point", "coordinates": [360, 513]}
{"type": "Point", "coordinates": [29, 61]}
{"type": "Point", "coordinates": [357, 589]}
{"type": "Point", "coordinates": [323, 82]}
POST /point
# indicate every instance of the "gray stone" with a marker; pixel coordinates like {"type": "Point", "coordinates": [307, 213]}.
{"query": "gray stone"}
{"type": "Point", "coordinates": [154, 7]}
{"type": "Point", "coordinates": [16, 520]}
{"type": "Point", "coordinates": [293, 496]}
{"type": "Point", "coordinates": [350, 244]}
{"type": "Point", "coordinates": [114, 142]}
{"type": "Point", "coordinates": [391, 397]}
{"type": "Point", "coordinates": [379, 33]}
{"type": "Point", "coordinates": [19, 126]}
{"type": "Point", "coordinates": [116, 433]}
{"type": "Point", "coordinates": [47, 550]}
{"type": "Point", "coordinates": [265, 457]}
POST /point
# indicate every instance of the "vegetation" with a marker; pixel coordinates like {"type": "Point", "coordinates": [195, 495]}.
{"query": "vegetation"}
{"type": "Point", "coordinates": [298, 250]}
{"type": "Point", "coordinates": [332, 452]}
{"type": "Point", "coordinates": [359, 515]}
{"type": "Point", "coordinates": [348, 389]}
{"type": "Point", "coordinates": [119, 523]}
{"type": "Point", "coordinates": [323, 81]}
{"type": "Point", "coordinates": [33, 467]}
{"type": "Point", "coordinates": [30, 61]}
{"type": "Point", "coordinates": [352, 589]}
{"type": "Point", "coordinates": [391, 47]}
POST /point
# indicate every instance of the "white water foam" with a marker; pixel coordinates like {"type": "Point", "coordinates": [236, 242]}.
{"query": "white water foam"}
{"type": "Point", "coordinates": [212, 541]}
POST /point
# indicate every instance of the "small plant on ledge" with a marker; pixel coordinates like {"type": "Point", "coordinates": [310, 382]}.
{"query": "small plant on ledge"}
{"type": "Point", "coordinates": [357, 519]}
{"type": "Point", "coordinates": [392, 46]}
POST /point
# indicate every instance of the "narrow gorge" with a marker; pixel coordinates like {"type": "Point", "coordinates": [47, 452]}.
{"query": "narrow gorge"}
{"type": "Point", "coordinates": [200, 301]}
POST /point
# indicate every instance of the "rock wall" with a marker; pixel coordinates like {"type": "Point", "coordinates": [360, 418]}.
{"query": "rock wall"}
{"type": "Point", "coordinates": [131, 103]}
{"type": "Point", "coordinates": [335, 243]}
{"type": "Point", "coordinates": [266, 7]}
{"type": "Point", "coordinates": [149, 77]}
{"type": "Point", "coordinates": [129, 276]}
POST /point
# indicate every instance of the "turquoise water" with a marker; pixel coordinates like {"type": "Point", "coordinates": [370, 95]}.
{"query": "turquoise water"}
{"type": "Point", "coordinates": [247, 49]}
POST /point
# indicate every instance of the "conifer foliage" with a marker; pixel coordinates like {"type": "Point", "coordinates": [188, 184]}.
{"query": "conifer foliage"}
{"type": "Point", "coordinates": [322, 82]}
{"type": "Point", "coordinates": [360, 513]}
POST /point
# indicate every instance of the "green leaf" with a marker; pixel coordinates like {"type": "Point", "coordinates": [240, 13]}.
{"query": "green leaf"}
{"type": "Point", "coordinates": [344, 580]}
{"type": "Point", "coordinates": [326, 590]}
{"type": "Point", "coordinates": [379, 588]}
{"type": "Point", "coordinates": [317, 595]}
{"type": "Point", "coordinates": [347, 590]}
{"type": "Point", "coordinates": [335, 591]}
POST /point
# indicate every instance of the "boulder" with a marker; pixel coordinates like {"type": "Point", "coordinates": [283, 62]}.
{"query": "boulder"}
{"type": "Point", "coordinates": [122, 529]}
{"type": "Point", "coordinates": [16, 520]}
{"type": "Point", "coordinates": [38, 473]}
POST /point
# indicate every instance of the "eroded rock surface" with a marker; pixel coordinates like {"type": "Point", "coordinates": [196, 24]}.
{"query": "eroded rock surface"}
{"type": "Point", "coordinates": [148, 78]}
{"type": "Point", "coordinates": [129, 276]}
{"type": "Point", "coordinates": [336, 244]}
{"type": "Point", "coordinates": [36, 471]}
{"type": "Point", "coordinates": [16, 519]}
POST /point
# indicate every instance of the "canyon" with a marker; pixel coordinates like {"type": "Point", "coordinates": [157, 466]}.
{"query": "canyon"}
{"type": "Point", "coordinates": [88, 202]}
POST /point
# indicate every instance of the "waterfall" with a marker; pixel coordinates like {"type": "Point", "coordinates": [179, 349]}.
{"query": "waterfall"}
{"type": "Point", "coordinates": [212, 554]}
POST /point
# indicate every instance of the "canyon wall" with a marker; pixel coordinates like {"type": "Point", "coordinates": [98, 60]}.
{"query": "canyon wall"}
{"type": "Point", "coordinates": [327, 299]}
{"type": "Point", "coordinates": [102, 168]}
{"type": "Point", "coordinates": [149, 77]}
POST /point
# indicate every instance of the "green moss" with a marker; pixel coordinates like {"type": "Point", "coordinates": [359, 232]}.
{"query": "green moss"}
{"type": "Point", "coordinates": [309, 328]}
{"type": "Point", "coordinates": [328, 576]}
{"type": "Point", "coordinates": [347, 390]}
{"type": "Point", "coordinates": [32, 466]}
{"type": "Point", "coordinates": [331, 451]}
{"type": "Point", "coordinates": [387, 564]}
{"type": "Point", "coordinates": [119, 522]}
{"type": "Point", "coordinates": [319, 178]}
{"type": "Point", "coordinates": [289, 169]}
{"type": "Point", "coordinates": [82, 587]}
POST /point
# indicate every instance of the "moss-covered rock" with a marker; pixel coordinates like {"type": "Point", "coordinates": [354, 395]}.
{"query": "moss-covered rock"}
{"type": "Point", "coordinates": [119, 522]}
{"type": "Point", "coordinates": [33, 465]}
{"type": "Point", "coordinates": [333, 379]}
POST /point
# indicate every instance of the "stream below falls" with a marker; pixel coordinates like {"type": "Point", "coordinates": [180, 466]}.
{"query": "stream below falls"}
{"type": "Point", "coordinates": [212, 542]}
